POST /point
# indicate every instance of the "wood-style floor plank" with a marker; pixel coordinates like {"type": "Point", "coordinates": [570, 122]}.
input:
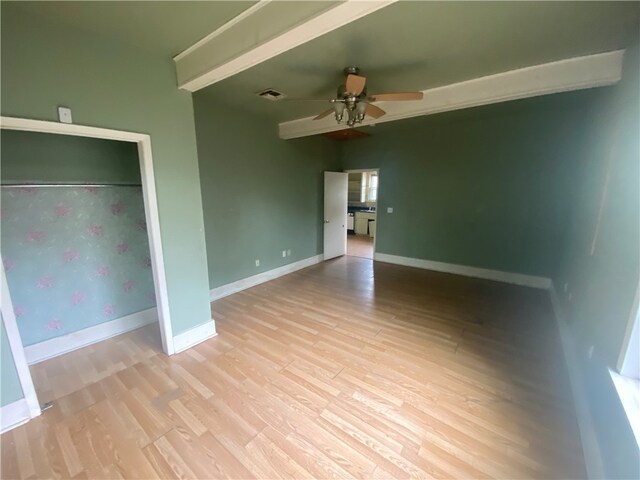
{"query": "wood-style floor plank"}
{"type": "Point", "coordinates": [348, 369]}
{"type": "Point", "coordinates": [360, 246]}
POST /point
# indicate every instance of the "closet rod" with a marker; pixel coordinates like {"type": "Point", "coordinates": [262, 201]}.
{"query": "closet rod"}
{"type": "Point", "coordinates": [83, 185]}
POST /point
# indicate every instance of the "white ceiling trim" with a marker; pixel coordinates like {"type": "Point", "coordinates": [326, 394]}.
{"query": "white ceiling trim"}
{"type": "Point", "coordinates": [223, 28]}
{"type": "Point", "coordinates": [561, 76]}
{"type": "Point", "coordinates": [336, 17]}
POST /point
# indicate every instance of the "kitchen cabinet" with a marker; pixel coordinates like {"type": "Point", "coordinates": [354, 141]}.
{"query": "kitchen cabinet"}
{"type": "Point", "coordinates": [362, 222]}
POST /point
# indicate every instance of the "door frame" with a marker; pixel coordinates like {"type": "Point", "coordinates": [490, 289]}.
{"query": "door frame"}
{"type": "Point", "coordinates": [364, 170]}
{"type": "Point", "coordinates": [143, 142]}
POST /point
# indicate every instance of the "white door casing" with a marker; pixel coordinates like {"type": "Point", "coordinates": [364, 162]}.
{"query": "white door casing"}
{"type": "Point", "coordinates": [335, 214]}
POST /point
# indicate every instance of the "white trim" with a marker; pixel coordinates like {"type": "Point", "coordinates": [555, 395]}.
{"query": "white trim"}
{"type": "Point", "coordinates": [629, 392]}
{"type": "Point", "coordinates": [627, 363]}
{"type": "Point", "coordinates": [343, 13]}
{"type": "Point", "coordinates": [497, 275]}
{"type": "Point", "coordinates": [590, 446]}
{"type": "Point", "coordinates": [15, 345]}
{"type": "Point", "coordinates": [561, 76]}
{"type": "Point", "coordinates": [149, 195]}
{"type": "Point", "coordinates": [362, 170]}
{"type": "Point", "coordinates": [43, 126]}
{"type": "Point", "coordinates": [73, 341]}
{"type": "Point", "coordinates": [14, 414]}
{"type": "Point", "coordinates": [194, 336]}
{"type": "Point", "coordinates": [243, 284]}
{"type": "Point", "coordinates": [223, 28]}
{"type": "Point", "coordinates": [155, 244]}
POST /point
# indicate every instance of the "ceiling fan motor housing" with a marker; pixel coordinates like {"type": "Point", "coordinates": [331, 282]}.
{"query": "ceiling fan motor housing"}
{"type": "Point", "coordinates": [344, 95]}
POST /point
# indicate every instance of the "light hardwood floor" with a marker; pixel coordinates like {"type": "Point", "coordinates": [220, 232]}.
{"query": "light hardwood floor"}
{"type": "Point", "coordinates": [60, 376]}
{"type": "Point", "coordinates": [344, 369]}
{"type": "Point", "coordinates": [360, 246]}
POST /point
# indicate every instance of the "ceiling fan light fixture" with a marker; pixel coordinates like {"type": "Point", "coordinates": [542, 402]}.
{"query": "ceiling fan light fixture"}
{"type": "Point", "coordinates": [338, 108]}
{"type": "Point", "coordinates": [361, 109]}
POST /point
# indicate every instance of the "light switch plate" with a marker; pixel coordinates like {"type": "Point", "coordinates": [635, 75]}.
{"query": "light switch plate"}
{"type": "Point", "coordinates": [64, 115]}
{"type": "Point", "coordinates": [389, 209]}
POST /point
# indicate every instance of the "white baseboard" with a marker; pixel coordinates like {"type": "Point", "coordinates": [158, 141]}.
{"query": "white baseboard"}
{"type": "Point", "coordinates": [14, 415]}
{"type": "Point", "coordinates": [588, 437]}
{"type": "Point", "coordinates": [497, 275]}
{"type": "Point", "coordinates": [87, 336]}
{"type": "Point", "coordinates": [243, 284]}
{"type": "Point", "coordinates": [194, 336]}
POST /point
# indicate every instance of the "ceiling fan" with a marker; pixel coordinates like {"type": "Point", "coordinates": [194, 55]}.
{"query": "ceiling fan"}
{"type": "Point", "coordinates": [353, 97]}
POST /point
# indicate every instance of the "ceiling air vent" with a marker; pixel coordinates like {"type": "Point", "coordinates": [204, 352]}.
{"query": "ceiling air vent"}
{"type": "Point", "coordinates": [271, 94]}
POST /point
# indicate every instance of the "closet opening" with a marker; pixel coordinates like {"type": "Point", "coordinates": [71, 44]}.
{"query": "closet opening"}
{"type": "Point", "coordinates": [84, 294]}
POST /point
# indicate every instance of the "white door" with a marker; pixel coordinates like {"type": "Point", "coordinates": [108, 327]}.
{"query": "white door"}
{"type": "Point", "coordinates": [335, 214]}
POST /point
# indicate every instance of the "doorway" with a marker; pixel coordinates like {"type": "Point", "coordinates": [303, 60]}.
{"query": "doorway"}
{"type": "Point", "coordinates": [362, 203]}
{"type": "Point", "coordinates": [145, 242]}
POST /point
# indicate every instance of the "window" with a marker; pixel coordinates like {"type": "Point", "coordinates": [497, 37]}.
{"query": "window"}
{"type": "Point", "coordinates": [373, 188]}
{"type": "Point", "coordinates": [369, 187]}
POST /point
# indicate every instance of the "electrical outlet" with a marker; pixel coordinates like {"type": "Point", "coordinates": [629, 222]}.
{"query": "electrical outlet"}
{"type": "Point", "coordinates": [288, 252]}
{"type": "Point", "coordinates": [257, 262]}
{"type": "Point", "coordinates": [284, 253]}
{"type": "Point", "coordinates": [389, 209]}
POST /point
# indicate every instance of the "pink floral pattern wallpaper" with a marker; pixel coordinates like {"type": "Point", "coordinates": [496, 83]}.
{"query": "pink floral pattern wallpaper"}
{"type": "Point", "coordinates": [74, 257]}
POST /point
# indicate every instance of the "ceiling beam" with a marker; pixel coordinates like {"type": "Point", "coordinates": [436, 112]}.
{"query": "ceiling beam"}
{"type": "Point", "coordinates": [203, 64]}
{"type": "Point", "coordinates": [223, 28]}
{"type": "Point", "coordinates": [561, 76]}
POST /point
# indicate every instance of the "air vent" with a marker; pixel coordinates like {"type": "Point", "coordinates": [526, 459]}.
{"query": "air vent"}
{"type": "Point", "coordinates": [271, 94]}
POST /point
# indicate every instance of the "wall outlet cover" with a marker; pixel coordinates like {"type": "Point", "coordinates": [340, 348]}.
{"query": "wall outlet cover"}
{"type": "Point", "coordinates": [257, 262]}
{"type": "Point", "coordinates": [64, 115]}
{"type": "Point", "coordinates": [288, 252]}
{"type": "Point", "coordinates": [389, 209]}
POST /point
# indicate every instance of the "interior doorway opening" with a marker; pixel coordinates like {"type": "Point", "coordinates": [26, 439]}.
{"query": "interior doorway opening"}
{"type": "Point", "coordinates": [76, 256]}
{"type": "Point", "coordinates": [51, 339]}
{"type": "Point", "coordinates": [362, 205]}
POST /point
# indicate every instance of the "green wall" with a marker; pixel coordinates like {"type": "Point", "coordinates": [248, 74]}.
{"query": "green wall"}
{"type": "Point", "coordinates": [602, 284]}
{"type": "Point", "coordinates": [10, 388]}
{"type": "Point", "coordinates": [113, 85]}
{"type": "Point", "coordinates": [485, 187]}
{"type": "Point", "coordinates": [49, 158]}
{"type": "Point", "coordinates": [260, 194]}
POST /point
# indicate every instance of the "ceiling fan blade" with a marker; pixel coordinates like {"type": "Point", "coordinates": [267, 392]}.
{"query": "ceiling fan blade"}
{"type": "Point", "coordinates": [324, 114]}
{"type": "Point", "coordinates": [355, 84]}
{"type": "Point", "coordinates": [394, 97]}
{"type": "Point", "coordinates": [375, 112]}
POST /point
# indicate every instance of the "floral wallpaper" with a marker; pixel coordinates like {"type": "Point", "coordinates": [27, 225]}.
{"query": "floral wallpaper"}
{"type": "Point", "coordinates": [74, 257]}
